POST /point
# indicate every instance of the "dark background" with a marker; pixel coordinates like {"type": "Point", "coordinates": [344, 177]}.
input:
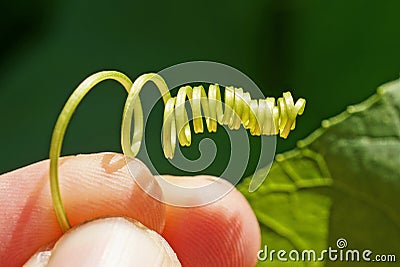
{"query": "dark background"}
{"type": "Point", "coordinates": [334, 53]}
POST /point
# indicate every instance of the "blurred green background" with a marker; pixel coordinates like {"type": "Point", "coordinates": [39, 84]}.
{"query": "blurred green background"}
{"type": "Point", "coordinates": [334, 53]}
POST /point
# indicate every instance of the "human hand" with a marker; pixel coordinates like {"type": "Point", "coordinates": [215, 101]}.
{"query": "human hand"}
{"type": "Point", "coordinates": [99, 190]}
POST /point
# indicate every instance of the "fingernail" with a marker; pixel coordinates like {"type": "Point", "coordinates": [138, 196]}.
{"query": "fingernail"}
{"type": "Point", "coordinates": [40, 259]}
{"type": "Point", "coordinates": [112, 242]}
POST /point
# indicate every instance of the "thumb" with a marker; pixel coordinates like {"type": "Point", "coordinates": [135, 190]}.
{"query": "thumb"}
{"type": "Point", "coordinates": [112, 241]}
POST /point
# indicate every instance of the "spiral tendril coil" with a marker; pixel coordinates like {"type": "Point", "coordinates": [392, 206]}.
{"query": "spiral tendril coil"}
{"type": "Point", "coordinates": [260, 116]}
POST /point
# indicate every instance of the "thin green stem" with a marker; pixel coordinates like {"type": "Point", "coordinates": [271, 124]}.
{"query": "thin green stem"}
{"type": "Point", "coordinates": [59, 132]}
{"type": "Point", "coordinates": [133, 108]}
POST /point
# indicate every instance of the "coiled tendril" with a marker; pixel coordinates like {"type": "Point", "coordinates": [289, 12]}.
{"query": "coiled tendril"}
{"type": "Point", "coordinates": [261, 117]}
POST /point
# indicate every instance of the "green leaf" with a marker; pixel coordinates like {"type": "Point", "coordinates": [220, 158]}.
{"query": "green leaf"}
{"type": "Point", "coordinates": [293, 214]}
{"type": "Point", "coordinates": [343, 181]}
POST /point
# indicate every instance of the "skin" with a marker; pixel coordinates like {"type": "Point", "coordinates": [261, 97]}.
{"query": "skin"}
{"type": "Point", "coordinates": [115, 222]}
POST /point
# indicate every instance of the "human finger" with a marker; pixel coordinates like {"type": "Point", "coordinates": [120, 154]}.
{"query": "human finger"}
{"type": "Point", "coordinates": [222, 233]}
{"type": "Point", "coordinates": [91, 186]}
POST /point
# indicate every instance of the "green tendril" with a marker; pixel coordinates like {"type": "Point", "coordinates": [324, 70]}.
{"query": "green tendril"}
{"type": "Point", "coordinates": [59, 132]}
{"type": "Point", "coordinates": [259, 116]}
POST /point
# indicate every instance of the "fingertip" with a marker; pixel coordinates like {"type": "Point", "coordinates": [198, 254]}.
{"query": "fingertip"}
{"type": "Point", "coordinates": [102, 184]}
{"type": "Point", "coordinates": [223, 233]}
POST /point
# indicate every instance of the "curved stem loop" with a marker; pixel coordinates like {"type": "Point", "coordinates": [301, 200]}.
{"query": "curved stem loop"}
{"type": "Point", "coordinates": [59, 132]}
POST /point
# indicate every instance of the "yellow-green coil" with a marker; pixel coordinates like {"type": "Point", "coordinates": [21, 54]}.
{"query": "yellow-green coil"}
{"type": "Point", "coordinates": [262, 116]}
